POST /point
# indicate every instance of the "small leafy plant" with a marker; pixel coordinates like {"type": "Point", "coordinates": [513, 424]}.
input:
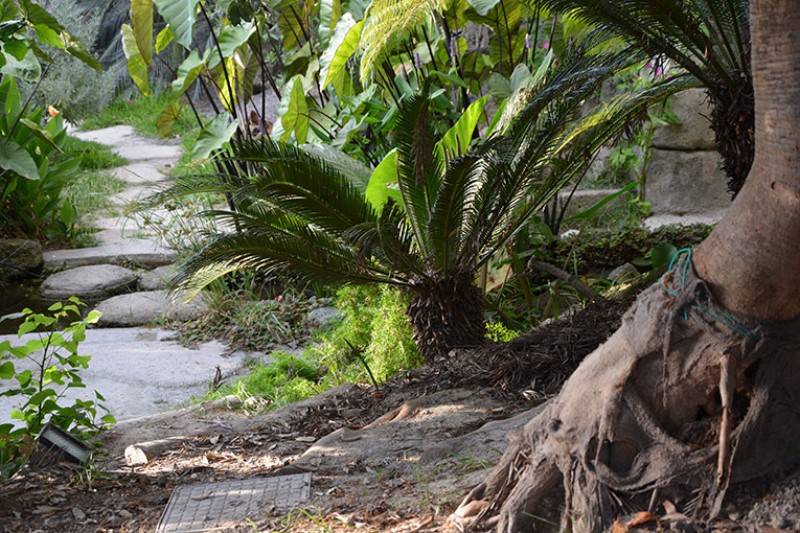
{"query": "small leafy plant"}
{"type": "Point", "coordinates": [39, 373]}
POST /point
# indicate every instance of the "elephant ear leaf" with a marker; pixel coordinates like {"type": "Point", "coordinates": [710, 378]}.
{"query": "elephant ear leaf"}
{"type": "Point", "coordinates": [142, 24]}
{"type": "Point", "coordinates": [214, 136]}
{"type": "Point", "coordinates": [180, 15]}
{"type": "Point", "coordinates": [457, 139]}
{"type": "Point", "coordinates": [137, 67]}
{"type": "Point", "coordinates": [344, 44]}
{"type": "Point", "coordinates": [383, 183]}
{"type": "Point", "coordinates": [13, 157]}
{"type": "Point", "coordinates": [295, 117]}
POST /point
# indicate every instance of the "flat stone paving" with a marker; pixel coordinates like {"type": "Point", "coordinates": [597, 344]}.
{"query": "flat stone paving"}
{"type": "Point", "coordinates": [222, 506]}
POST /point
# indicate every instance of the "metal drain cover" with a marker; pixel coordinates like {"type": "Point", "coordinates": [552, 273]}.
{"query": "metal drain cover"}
{"type": "Point", "coordinates": [215, 506]}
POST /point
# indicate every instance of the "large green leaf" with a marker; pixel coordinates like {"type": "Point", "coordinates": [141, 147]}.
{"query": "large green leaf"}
{"type": "Point", "coordinates": [15, 158]}
{"type": "Point", "coordinates": [180, 15]}
{"type": "Point", "coordinates": [456, 140]}
{"type": "Point", "coordinates": [27, 69]}
{"type": "Point", "coordinates": [188, 71]}
{"type": "Point", "coordinates": [383, 183]}
{"type": "Point", "coordinates": [137, 67]}
{"type": "Point", "coordinates": [482, 7]}
{"type": "Point", "coordinates": [231, 38]}
{"type": "Point", "coordinates": [142, 24]}
{"type": "Point", "coordinates": [164, 38]}
{"type": "Point", "coordinates": [214, 136]}
{"type": "Point", "coordinates": [343, 45]}
{"type": "Point", "coordinates": [295, 118]}
{"type": "Point", "coordinates": [330, 11]}
{"type": "Point", "coordinates": [42, 134]}
{"type": "Point", "coordinates": [49, 31]}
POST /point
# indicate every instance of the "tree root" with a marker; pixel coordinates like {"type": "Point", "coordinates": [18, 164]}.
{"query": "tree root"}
{"type": "Point", "coordinates": [641, 421]}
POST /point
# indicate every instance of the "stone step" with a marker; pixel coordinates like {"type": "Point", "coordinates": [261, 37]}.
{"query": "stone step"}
{"type": "Point", "coordinates": [93, 282]}
{"type": "Point", "coordinates": [130, 252]}
{"type": "Point", "coordinates": [124, 141]}
{"type": "Point", "coordinates": [141, 173]}
{"type": "Point", "coordinates": [148, 307]}
{"type": "Point", "coordinates": [656, 221]}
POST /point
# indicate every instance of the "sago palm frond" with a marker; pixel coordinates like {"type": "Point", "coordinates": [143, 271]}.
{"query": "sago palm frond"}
{"type": "Point", "coordinates": [710, 39]}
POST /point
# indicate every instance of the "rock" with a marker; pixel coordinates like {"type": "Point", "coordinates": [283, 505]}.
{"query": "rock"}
{"type": "Point", "coordinates": [694, 132]}
{"type": "Point", "coordinates": [623, 273]}
{"type": "Point", "coordinates": [141, 308]}
{"type": "Point", "coordinates": [157, 279]}
{"type": "Point", "coordinates": [685, 182]}
{"type": "Point", "coordinates": [19, 258]}
{"type": "Point", "coordinates": [89, 282]}
{"type": "Point", "coordinates": [586, 198]}
{"type": "Point", "coordinates": [322, 317]}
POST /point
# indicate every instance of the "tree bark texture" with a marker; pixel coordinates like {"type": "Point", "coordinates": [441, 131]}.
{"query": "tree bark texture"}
{"type": "Point", "coordinates": [445, 312]}
{"type": "Point", "coordinates": [700, 386]}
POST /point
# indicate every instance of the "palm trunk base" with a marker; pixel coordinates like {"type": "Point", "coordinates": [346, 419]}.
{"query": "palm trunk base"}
{"type": "Point", "coordinates": [644, 418]}
{"type": "Point", "coordinates": [445, 313]}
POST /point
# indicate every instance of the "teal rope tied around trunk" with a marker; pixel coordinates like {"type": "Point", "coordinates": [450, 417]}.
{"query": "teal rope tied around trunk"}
{"type": "Point", "coordinates": [719, 315]}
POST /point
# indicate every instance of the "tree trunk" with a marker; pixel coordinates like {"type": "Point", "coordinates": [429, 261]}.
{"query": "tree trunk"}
{"type": "Point", "coordinates": [700, 386]}
{"type": "Point", "coordinates": [446, 311]}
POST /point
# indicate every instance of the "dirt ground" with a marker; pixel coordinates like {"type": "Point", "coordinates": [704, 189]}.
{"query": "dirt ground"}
{"type": "Point", "coordinates": [397, 459]}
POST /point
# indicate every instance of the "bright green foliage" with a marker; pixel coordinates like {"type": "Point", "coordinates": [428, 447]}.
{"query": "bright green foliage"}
{"type": "Point", "coordinates": [498, 332]}
{"type": "Point", "coordinates": [56, 367]}
{"type": "Point", "coordinates": [32, 180]}
{"type": "Point", "coordinates": [284, 380]}
{"type": "Point", "coordinates": [374, 327]}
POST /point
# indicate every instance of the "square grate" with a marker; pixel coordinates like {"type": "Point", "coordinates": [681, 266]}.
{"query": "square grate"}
{"type": "Point", "coordinates": [216, 506]}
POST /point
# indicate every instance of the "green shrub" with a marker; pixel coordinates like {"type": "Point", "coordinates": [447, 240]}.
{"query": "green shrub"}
{"type": "Point", "coordinates": [57, 367]}
{"type": "Point", "coordinates": [69, 84]}
{"type": "Point", "coordinates": [285, 380]}
{"type": "Point", "coordinates": [374, 325]}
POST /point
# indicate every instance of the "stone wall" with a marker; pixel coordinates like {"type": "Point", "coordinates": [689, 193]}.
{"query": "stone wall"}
{"type": "Point", "coordinates": [684, 175]}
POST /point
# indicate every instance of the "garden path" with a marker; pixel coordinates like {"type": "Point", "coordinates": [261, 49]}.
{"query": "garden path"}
{"type": "Point", "coordinates": [141, 369]}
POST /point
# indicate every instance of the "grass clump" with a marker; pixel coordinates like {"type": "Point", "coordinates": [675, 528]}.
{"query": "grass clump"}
{"type": "Point", "coordinates": [93, 155]}
{"type": "Point", "coordinates": [140, 112]}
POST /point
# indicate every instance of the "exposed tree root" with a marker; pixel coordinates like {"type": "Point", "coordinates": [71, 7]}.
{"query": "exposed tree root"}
{"type": "Point", "coordinates": [641, 421]}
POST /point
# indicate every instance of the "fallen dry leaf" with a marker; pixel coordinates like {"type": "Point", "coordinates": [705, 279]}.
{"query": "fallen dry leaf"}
{"type": "Point", "coordinates": [642, 517]}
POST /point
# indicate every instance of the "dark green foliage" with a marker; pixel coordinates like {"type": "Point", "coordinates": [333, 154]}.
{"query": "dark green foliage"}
{"type": "Point", "coordinates": [710, 39]}
{"type": "Point", "coordinates": [451, 211]}
{"type": "Point", "coordinates": [600, 250]}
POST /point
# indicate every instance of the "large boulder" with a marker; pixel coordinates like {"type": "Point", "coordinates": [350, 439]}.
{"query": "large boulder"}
{"type": "Point", "coordinates": [694, 132]}
{"type": "Point", "coordinates": [89, 282]}
{"type": "Point", "coordinates": [19, 258]}
{"type": "Point", "coordinates": [149, 307]}
{"type": "Point", "coordinates": [682, 183]}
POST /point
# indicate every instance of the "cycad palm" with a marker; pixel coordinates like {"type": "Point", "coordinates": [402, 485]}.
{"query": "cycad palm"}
{"type": "Point", "coordinates": [710, 39]}
{"type": "Point", "coordinates": [302, 217]}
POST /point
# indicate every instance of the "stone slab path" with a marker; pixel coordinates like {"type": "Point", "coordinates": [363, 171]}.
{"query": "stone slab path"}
{"type": "Point", "coordinates": [140, 370]}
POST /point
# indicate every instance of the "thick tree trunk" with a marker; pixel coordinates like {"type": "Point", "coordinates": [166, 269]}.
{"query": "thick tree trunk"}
{"type": "Point", "coordinates": [701, 384]}
{"type": "Point", "coordinates": [446, 311]}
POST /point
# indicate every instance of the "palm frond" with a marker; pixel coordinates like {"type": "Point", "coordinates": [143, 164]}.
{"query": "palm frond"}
{"type": "Point", "coordinates": [389, 23]}
{"type": "Point", "coordinates": [303, 184]}
{"type": "Point", "coordinates": [418, 170]}
{"type": "Point", "coordinates": [708, 38]}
